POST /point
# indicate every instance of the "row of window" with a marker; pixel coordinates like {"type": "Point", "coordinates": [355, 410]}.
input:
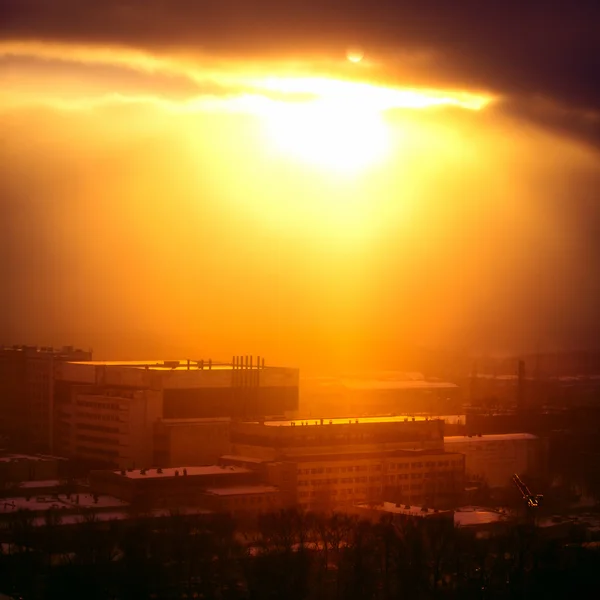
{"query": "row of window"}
{"type": "Point", "coordinates": [391, 466]}
{"type": "Point", "coordinates": [102, 428]}
{"type": "Point", "coordinates": [101, 405]}
{"type": "Point", "coordinates": [99, 417]}
{"type": "Point", "coordinates": [97, 440]}
{"type": "Point", "coordinates": [317, 482]}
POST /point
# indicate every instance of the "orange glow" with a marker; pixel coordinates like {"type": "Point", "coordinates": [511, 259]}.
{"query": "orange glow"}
{"type": "Point", "coordinates": [328, 135]}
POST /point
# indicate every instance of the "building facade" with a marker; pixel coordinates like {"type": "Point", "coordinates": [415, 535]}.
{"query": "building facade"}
{"type": "Point", "coordinates": [496, 458]}
{"type": "Point", "coordinates": [338, 462]}
{"type": "Point", "coordinates": [144, 414]}
{"type": "Point", "coordinates": [27, 375]}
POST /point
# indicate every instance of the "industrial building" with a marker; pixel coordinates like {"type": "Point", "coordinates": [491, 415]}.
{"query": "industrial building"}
{"type": "Point", "coordinates": [124, 414]}
{"type": "Point", "coordinates": [27, 393]}
{"type": "Point", "coordinates": [325, 463]}
{"type": "Point", "coordinates": [378, 393]}
{"type": "Point", "coordinates": [496, 458]}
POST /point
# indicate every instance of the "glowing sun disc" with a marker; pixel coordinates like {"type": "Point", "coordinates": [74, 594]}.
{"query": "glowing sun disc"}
{"type": "Point", "coordinates": [355, 55]}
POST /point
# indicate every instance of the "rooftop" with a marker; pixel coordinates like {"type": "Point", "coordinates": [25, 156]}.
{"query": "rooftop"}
{"type": "Point", "coordinates": [179, 471]}
{"type": "Point", "coordinates": [243, 490]}
{"type": "Point", "coordinates": [29, 457]}
{"type": "Point", "coordinates": [405, 509]}
{"type": "Point", "coordinates": [390, 384]}
{"type": "Point", "coordinates": [499, 437]}
{"type": "Point", "coordinates": [51, 483]}
{"type": "Point", "coordinates": [348, 421]}
{"type": "Point", "coordinates": [60, 502]}
{"type": "Point", "coordinates": [170, 365]}
{"type": "Point", "coordinates": [248, 459]}
{"type": "Point", "coordinates": [472, 516]}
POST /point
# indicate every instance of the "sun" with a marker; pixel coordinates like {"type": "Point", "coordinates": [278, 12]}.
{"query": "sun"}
{"type": "Point", "coordinates": [330, 135]}
{"type": "Point", "coordinates": [355, 55]}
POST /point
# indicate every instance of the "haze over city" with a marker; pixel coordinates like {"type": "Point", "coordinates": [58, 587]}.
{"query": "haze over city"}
{"type": "Point", "coordinates": [318, 183]}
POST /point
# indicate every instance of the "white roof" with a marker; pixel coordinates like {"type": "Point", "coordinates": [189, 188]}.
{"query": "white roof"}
{"type": "Point", "coordinates": [243, 490]}
{"type": "Point", "coordinates": [63, 502]}
{"type": "Point", "coordinates": [51, 483]}
{"type": "Point", "coordinates": [472, 516]}
{"type": "Point", "coordinates": [403, 509]}
{"type": "Point", "coordinates": [499, 437]}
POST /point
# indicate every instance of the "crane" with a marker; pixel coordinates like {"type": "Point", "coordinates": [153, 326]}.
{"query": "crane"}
{"type": "Point", "coordinates": [532, 501]}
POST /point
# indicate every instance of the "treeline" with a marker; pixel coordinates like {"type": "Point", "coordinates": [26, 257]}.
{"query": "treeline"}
{"type": "Point", "coordinates": [288, 555]}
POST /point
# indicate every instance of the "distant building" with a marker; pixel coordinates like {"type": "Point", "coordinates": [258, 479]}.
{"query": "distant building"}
{"type": "Point", "coordinates": [27, 393]}
{"type": "Point", "coordinates": [378, 393]}
{"type": "Point", "coordinates": [216, 487]}
{"type": "Point", "coordinates": [142, 414]}
{"type": "Point", "coordinates": [339, 462]}
{"type": "Point", "coordinates": [15, 468]}
{"type": "Point", "coordinates": [400, 513]}
{"type": "Point", "coordinates": [496, 458]}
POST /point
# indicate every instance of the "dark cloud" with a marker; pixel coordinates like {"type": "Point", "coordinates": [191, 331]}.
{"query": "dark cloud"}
{"type": "Point", "coordinates": [517, 49]}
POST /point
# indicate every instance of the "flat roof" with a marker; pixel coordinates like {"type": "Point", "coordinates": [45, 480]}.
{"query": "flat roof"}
{"type": "Point", "coordinates": [50, 483]}
{"type": "Point", "coordinates": [248, 459]}
{"type": "Point", "coordinates": [191, 472]}
{"type": "Point", "coordinates": [347, 421]}
{"type": "Point", "coordinates": [404, 509]}
{"type": "Point", "coordinates": [243, 490]}
{"type": "Point", "coordinates": [62, 502]}
{"type": "Point", "coordinates": [497, 437]}
{"type": "Point", "coordinates": [159, 365]}
{"type": "Point", "coordinates": [174, 365]}
{"type": "Point", "coordinates": [355, 453]}
{"type": "Point", "coordinates": [30, 457]}
{"type": "Point", "coordinates": [472, 516]}
{"type": "Point", "coordinates": [382, 384]}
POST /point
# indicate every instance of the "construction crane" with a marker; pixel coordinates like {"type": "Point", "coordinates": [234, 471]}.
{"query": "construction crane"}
{"type": "Point", "coordinates": [532, 501]}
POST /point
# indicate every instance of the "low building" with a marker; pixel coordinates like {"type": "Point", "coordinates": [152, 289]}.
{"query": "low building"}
{"type": "Point", "coordinates": [61, 505]}
{"type": "Point", "coordinates": [243, 500]}
{"type": "Point", "coordinates": [400, 513]}
{"type": "Point", "coordinates": [496, 458]}
{"type": "Point", "coordinates": [29, 467]}
{"type": "Point", "coordinates": [482, 522]}
{"type": "Point", "coordinates": [169, 487]}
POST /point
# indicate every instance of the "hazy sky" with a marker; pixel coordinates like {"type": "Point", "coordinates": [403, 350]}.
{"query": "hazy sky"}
{"type": "Point", "coordinates": [194, 178]}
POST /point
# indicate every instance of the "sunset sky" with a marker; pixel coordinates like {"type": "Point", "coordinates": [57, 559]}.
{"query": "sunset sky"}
{"type": "Point", "coordinates": [195, 178]}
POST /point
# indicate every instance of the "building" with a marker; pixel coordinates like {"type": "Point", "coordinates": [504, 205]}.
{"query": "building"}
{"type": "Point", "coordinates": [378, 393]}
{"type": "Point", "coordinates": [496, 458]}
{"type": "Point", "coordinates": [191, 441]}
{"type": "Point", "coordinates": [401, 513]}
{"type": "Point", "coordinates": [217, 488]}
{"type": "Point", "coordinates": [339, 462]}
{"type": "Point", "coordinates": [142, 414]}
{"type": "Point", "coordinates": [27, 393]}
{"type": "Point", "coordinates": [16, 468]}
{"type": "Point", "coordinates": [110, 425]}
